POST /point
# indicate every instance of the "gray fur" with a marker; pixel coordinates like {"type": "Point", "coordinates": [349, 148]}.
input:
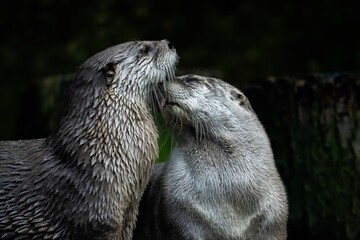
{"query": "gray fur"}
{"type": "Point", "coordinates": [221, 181]}
{"type": "Point", "coordinates": [85, 180]}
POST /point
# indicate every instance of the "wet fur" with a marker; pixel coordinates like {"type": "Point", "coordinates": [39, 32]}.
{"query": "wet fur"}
{"type": "Point", "coordinates": [221, 181]}
{"type": "Point", "coordinates": [86, 179]}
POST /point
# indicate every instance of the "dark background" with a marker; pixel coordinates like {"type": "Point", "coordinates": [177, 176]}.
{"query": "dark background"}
{"type": "Point", "coordinates": [242, 42]}
{"type": "Point", "coordinates": [237, 40]}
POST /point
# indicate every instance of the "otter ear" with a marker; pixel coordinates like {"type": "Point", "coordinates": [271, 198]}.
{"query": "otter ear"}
{"type": "Point", "coordinates": [239, 97]}
{"type": "Point", "coordinates": [110, 71]}
{"type": "Point", "coordinates": [242, 100]}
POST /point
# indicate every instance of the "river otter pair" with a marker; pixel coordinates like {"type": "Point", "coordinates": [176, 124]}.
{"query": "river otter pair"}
{"type": "Point", "coordinates": [86, 180]}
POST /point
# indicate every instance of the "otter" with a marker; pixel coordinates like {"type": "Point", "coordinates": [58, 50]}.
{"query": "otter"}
{"type": "Point", "coordinates": [221, 181]}
{"type": "Point", "coordinates": [86, 179]}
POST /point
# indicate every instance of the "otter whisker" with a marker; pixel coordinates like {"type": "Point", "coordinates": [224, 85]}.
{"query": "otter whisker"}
{"type": "Point", "coordinates": [199, 130]}
{"type": "Point", "coordinates": [204, 129]}
{"type": "Point", "coordinates": [209, 126]}
{"type": "Point", "coordinates": [172, 74]}
{"type": "Point", "coordinates": [181, 123]}
{"type": "Point", "coordinates": [156, 96]}
{"type": "Point", "coordinates": [172, 142]}
{"type": "Point", "coordinates": [174, 121]}
{"type": "Point", "coordinates": [204, 133]}
{"type": "Point", "coordinates": [168, 75]}
{"type": "Point", "coordinates": [194, 123]}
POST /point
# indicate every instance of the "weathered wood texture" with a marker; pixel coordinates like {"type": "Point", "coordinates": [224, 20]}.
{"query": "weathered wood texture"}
{"type": "Point", "coordinates": [314, 126]}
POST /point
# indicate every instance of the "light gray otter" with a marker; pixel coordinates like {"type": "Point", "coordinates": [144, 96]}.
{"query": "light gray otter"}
{"type": "Point", "coordinates": [85, 180]}
{"type": "Point", "coordinates": [221, 181]}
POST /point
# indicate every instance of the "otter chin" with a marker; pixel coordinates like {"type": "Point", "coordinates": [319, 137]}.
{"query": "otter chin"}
{"type": "Point", "coordinates": [221, 181]}
{"type": "Point", "coordinates": [85, 181]}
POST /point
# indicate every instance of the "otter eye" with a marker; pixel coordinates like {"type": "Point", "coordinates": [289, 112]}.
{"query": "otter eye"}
{"type": "Point", "coordinates": [192, 79]}
{"type": "Point", "coordinates": [145, 49]}
{"type": "Point", "coordinates": [110, 70]}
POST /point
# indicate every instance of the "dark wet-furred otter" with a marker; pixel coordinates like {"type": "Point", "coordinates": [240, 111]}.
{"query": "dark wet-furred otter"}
{"type": "Point", "coordinates": [86, 179]}
{"type": "Point", "coordinates": [221, 181]}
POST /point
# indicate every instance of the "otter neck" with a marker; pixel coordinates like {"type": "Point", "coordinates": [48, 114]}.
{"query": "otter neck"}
{"type": "Point", "coordinates": [93, 135]}
{"type": "Point", "coordinates": [105, 152]}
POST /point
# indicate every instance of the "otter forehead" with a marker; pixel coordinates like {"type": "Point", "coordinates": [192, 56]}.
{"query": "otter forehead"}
{"type": "Point", "coordinates": [125, 51]}
{"type": "Point", "coordinates": [209, 81]}
{"type": "Point", "coordinates": [141, 63]}
{"type": "Point", "coordinates": [195, 84]}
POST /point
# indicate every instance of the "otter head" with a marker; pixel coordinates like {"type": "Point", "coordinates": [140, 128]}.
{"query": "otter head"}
{"type": "Point", "coordinates": [130, 70]}
{"type": "Point", "coordinates": [205, 107]}
{"type": "Point", "coordinates": [113, 85]}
